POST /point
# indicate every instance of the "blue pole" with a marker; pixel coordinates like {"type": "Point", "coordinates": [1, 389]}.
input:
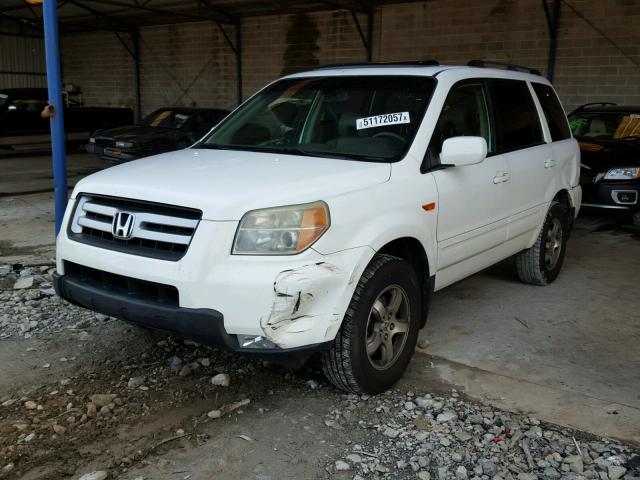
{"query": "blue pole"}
{"type": "Point", "coordinates": [54, 84]}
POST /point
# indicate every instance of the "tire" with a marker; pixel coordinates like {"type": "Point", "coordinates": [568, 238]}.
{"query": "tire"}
{"type": "Point", "coordinates": [386, 301]}
{"type": "Point", "coordinates": [537, 265]}
{"type": "Point", "coordinates": [635, 219]}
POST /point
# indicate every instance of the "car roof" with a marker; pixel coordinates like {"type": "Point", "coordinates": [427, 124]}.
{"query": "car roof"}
{"type": "Point", "coordinates": [192, 109]}
{"type": "Point", "coordinates": [24, 91]}
{"type": "Point", "coordinates": [414, 69]}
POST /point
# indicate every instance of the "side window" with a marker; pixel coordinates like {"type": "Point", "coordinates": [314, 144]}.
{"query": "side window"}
{"type": "Point", "coordinates": [464, 114]}
{"type": "Point", "coordinates": [28, 104]}
{"type": "Point", "coordinates": [515, 117]}
{"type": "Point", "coordinates": [553, 112]}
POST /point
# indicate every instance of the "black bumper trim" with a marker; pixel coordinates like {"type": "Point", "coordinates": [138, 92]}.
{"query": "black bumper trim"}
{"type": "Point", "coordinates": [202, 325]}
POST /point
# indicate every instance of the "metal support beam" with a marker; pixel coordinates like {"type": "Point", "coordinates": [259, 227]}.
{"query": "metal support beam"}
{"type": "Point", "coordinates": [367, 40]}
{"type": "Point", "coordinates": [239, 61]}
{"type": "Point", "coordinates": [20, 35]}
{"type": "Point", "coordinates": [54, 84]}
{"type": "Point", "coordinates": [146, 8]}
{"type": "Point", "coordinates": [236, 48]}
{"type": "Point", "coordinates": [22, 22]}
{"type": "Point", "coordinates": [134, 53]}
{"type": "Point", "coordinates": [135, 38]}
{"type": "Point", "coordinates": [553, 20]}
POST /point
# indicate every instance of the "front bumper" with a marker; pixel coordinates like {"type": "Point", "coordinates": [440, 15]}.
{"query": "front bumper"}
{"type": "Point", "coordinates": [203, 325]}
{"type": "Point", "coordinates": [115, 155]}
{"type": "Point", "coordinates": [295, 301]}
{"type": "Point", "coordinates": [617, 195]}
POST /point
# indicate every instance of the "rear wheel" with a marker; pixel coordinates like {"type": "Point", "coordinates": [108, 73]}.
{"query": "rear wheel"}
{"type": "Point", "coordinates": [379, 331]}
{"type": "Point", "coordinates": [541, 264]}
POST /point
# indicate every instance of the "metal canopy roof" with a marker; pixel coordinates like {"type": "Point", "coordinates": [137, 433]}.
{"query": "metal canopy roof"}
{"type": "Point", "coordinates": [124, 15]}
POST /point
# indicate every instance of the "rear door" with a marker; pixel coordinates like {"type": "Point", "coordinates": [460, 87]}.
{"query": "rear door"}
{"type": "Point", "coordinates": [520, 141]}
{"type": "Point", "coordinates": [564, 165]}
{"type": "Point", "coordinates": [473, 207]}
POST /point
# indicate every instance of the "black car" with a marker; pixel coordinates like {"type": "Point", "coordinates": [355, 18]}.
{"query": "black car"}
{"type": "Point", "coordinates": [21, 123]}
{"type": "Point", "coordinates": [164, 130]}
{"type": "Point", "coordinates": [609, 137]}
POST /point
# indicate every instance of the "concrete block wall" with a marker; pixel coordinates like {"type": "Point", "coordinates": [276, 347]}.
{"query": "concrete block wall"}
{"type": "Point", "coordinates": [598, 53]}
{"type": "Point", "coordinates": [100, 66]}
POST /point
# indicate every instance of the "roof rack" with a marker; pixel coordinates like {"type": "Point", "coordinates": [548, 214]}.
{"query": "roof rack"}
{"type": "Point", "coordinates": [414, 63]}
{"type": "Point", "coordinates": [505, 65]}
{"type": "Point", "coordinates": [592, 104]}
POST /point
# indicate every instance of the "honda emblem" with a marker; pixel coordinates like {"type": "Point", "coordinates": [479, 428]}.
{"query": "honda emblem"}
{"type": "Point", "coordinates": [122, 226]}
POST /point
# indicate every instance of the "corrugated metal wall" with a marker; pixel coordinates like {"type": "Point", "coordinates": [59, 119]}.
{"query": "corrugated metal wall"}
{"type": "Point", "coordinates": [22, 61]}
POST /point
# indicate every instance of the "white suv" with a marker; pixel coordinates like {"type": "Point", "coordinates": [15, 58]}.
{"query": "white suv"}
{"type": "Point", "coordinates": [321, 215]}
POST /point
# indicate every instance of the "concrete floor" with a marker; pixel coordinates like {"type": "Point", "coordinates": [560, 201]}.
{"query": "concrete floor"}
{"type": "Point", "coordinates": [568, 353]}
{"type": "Point", "coordinates": [30, 171]}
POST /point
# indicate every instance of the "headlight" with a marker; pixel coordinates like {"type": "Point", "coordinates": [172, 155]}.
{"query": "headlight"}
{"type": "Point", "coordinates": [626, 173]}
{"type": "Point", "coordinates": [124, 144]}
{"type": "Point", "coordinates": [281, 230]}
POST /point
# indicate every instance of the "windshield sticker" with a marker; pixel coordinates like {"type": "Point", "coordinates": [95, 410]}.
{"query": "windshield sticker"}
{"type": "Point", "coordinates": [382, 120]}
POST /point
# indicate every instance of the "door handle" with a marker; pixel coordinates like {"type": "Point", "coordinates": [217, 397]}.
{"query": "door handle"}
{"type": "Point", "coordinates": [501, 177]}
{"type": "Point", "coordinates": [549, 163]}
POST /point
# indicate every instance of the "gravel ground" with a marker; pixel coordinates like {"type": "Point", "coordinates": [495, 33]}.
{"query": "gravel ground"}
{"type": "Point", "coordinates": [112, 401]}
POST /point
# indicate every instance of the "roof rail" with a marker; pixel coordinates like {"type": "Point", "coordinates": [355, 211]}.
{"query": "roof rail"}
{"type": "Point", "coordinates": [505, 65]}
{"type": "Point", "coordinates": [582, 107]}
{"type": "Point", "coordinates": [413, 63]}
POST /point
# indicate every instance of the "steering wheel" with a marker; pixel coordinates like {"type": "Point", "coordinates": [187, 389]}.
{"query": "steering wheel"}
{"type": "Point", "coordinates": [392, 135]}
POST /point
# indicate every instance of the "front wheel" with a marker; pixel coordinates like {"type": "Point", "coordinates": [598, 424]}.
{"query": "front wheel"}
{"type": "Point", "coordinates": [635, 219]}
{"type": "Point", "coordinates": [379, 331]}
{"type": "Point", "coordinates": [541, 264]}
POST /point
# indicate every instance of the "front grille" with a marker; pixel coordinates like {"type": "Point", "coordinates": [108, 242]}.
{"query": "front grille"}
{"type": "Point", "coordinates": [105, 142]}
{"type": "Point", "coordinates": [157, 230]}
{"type": "Point", "coordinates": [121, 285]}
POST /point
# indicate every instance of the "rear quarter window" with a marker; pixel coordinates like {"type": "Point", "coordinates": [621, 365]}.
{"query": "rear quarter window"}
{"type": "Point", "coordinates": [553, 112]}
{"type": "Point", "coordinates": [515, 116]}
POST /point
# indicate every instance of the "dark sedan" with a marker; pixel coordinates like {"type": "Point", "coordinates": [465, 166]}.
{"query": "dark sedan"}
{"type": "Point", "coordinates": [164, 130]}
{"type": "Point", "coordinates": [609, 137]}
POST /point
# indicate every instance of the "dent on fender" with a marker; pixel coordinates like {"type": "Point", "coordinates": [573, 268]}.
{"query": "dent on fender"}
{"type": "Point", "coordinates": [301, 299]}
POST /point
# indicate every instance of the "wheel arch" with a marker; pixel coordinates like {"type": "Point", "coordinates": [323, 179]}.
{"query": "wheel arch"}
{"type": "Point", "coordinates": [411, 250]}
{"type": "Point", "coordinates": [564, 198]}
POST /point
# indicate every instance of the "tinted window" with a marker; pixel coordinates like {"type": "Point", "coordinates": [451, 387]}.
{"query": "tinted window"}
{"type": "Point", "coordinates": [553, 112]}
{"type": "Point", "coordinates": [514, 115]}
{"type": "Point", "coordinates": [167, 119]}
{"type": "Point", "coordinates": [464, 114]}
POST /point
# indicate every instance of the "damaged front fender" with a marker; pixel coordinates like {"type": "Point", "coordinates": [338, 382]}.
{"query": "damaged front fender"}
{"type": "Point", "coordinates": [306, 299]}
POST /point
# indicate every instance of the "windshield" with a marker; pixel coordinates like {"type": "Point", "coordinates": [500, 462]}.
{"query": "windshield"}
{"type": "Point", "coordinates": [166, 119]}
{"type": "Point", "coordinates": [365, 118]}
{"type": "Point", "coordinates": [605, 125]}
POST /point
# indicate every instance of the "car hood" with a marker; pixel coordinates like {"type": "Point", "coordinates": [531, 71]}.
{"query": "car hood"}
{"type": "Point", "coordinates": [600, 155]}
{"type": "Point", "coordinates": [131, 132]}
{"type": "Point", "coordinates": [225, 184]}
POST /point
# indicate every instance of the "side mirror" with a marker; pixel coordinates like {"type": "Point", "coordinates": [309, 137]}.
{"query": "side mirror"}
{"type": "Point", "coordinates": [461, 151]}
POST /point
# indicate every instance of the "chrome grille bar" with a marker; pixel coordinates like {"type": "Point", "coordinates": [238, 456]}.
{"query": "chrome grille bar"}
{"type": "Point", "coordinates": [158, 230]}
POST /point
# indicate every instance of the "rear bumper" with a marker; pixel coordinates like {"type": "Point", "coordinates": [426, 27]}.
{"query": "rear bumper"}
{"type": "Point", "coordinates": [203, 325]}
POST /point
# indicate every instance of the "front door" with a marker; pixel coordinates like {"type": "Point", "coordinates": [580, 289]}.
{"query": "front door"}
{"type": "Point", "coordinates": [473, 206]}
